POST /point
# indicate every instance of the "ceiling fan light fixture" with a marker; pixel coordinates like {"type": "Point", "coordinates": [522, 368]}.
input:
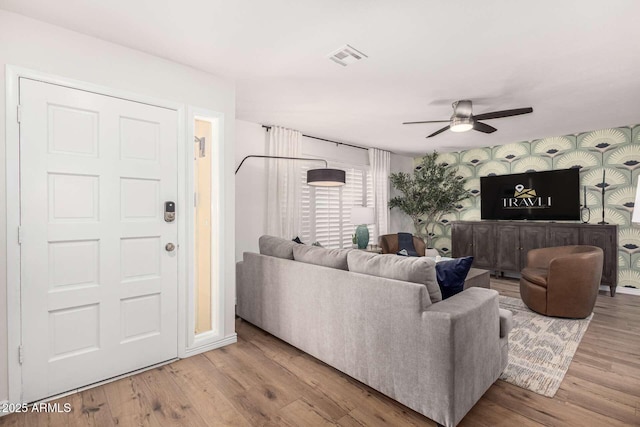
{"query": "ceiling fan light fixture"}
{"type": "Point", "coordinates": [463, 119]}
{"type": "Point", "coordinates": [461, 124]}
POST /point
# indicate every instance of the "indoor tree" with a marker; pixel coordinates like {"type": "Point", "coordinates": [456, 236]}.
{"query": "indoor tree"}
{"type": "Point", "coordinates": [431, 192]}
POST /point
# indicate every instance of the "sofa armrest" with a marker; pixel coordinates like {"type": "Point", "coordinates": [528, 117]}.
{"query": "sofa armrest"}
{"type": "Point", "coordinates": [506, 322]}
{"type": "Point", "coordinates": [467, 327]}
{"type": "Point", "coordinates": [465, 303]}
{"type": "Point", "coordinates": [239, 266]}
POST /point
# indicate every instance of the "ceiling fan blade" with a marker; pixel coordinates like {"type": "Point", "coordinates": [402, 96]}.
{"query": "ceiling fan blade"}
{"type": "Point", "coordinates": [483, 127]}
{"type": "Point", "coordinates": [439, 131]}
{"type": "Point", "coordinates": [428, 121]}
{"type": "Point", "coordinates": [503, 113]}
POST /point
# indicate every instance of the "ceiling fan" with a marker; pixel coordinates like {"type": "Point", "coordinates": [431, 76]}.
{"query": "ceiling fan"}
{"type": "Point", "coordinates": [463, 120]}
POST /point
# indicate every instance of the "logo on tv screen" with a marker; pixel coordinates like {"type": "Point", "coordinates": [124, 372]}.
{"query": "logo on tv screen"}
{"type": "Point", "coordinates": [525, 198]}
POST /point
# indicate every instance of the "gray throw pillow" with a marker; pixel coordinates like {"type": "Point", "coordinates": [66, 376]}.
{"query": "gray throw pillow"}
{"type": "Point", "coordinates": [333, 258]}
{"type": "Point", "coordinates": [409, 269]}
{"type": "Point", "coordinates": [276, 247]}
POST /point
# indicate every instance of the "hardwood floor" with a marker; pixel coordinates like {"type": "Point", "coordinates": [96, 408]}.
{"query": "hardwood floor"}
{"type": "Point", "coordinates": [264, 381]}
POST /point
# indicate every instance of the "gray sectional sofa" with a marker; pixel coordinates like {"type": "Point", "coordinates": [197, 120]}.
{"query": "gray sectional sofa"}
{"type": "Point", "coordinates": [379, 319]}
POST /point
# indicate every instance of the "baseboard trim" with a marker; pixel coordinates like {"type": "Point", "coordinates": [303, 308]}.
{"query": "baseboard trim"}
{"type": "Point", "coordinates": [231, 339]}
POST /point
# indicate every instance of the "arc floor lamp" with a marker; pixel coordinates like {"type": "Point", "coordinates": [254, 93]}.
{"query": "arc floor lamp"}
{"type": "Point", "coordinates": [324, 177]}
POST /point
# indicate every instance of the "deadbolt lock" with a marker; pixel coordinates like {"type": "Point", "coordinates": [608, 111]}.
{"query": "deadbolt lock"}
{"type": "Point", "coordinates": [169, 211]}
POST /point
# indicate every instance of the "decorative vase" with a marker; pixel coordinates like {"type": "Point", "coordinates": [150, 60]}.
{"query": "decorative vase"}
{"type": "Point", "coordinates": [362, 236]}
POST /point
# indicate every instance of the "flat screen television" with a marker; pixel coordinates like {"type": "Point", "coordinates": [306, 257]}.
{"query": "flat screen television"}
{"type": "Point", "coordinates": [550, 195]}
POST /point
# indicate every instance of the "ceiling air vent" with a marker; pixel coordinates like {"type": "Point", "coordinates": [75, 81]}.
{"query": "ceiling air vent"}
{"type": "Point", "coordinates": [346, 55]}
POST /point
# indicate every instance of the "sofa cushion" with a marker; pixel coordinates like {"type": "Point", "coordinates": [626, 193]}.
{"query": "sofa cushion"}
{"type": "Point", "coordinates": [451, 275]}
{"type": "Point", "coordinates": [334, 258]}
{"type": "Point", "coordinates": [535, 275]}
{"type": "Point", "coordinates": [409, 269]}
{"type": "Point", "coordinates": [276, 247]}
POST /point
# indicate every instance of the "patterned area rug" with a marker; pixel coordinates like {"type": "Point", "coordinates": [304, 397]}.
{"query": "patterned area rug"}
{"type": "Point", "coordinates": [540, 348]}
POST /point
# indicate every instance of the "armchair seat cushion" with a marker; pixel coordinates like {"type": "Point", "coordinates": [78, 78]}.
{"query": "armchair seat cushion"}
{"type": "Point", "coordinates": [535, 275]}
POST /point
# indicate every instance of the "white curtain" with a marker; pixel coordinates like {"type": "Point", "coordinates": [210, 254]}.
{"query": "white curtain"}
{"type": "Point", "coordinates": [380, 161]}
{"type": "Point", "coordinates": [283, 189]}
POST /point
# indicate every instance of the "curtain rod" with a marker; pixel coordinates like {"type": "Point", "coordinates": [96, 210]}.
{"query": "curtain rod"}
{"type": "Point", "coordinates": [326, 140]}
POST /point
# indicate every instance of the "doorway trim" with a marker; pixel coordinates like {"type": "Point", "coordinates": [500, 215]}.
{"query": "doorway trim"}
{"type": "Point", "coordinates": [12, 165]}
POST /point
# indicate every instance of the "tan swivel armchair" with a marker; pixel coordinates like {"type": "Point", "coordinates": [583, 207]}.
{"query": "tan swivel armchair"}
{"type": "Point", "coordinates": [562, 281]}
{"type": "Point", "coordinates": [389, 244]}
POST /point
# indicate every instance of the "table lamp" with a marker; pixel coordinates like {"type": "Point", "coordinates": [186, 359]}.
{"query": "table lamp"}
{"type": "Point", "coordinates": [361, 216]}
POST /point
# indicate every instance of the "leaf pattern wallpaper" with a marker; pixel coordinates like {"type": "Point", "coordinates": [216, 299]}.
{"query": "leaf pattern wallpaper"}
{"type": "Point", "coordinates": [614, 151]}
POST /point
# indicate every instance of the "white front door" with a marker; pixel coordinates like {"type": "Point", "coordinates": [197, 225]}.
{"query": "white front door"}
{"type": "Point", "coordinates": [99, 288]}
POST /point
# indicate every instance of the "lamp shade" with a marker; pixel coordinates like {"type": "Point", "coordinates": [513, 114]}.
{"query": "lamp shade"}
{"type": "Point", "coordinates": [636, 206]}
{"type": "Point", "coordinates": [362, 215]}
{"type": "Point", "coordinates": [326, 177]}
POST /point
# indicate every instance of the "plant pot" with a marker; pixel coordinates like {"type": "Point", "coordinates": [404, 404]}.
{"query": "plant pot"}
{"type": "Point", "coordinates": [432, 252]}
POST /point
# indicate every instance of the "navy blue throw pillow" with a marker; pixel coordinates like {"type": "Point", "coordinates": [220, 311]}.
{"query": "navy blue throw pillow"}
{"type": "Point", "coordinates": [405, 244]}
{"type": "Point", "coordinates": [451, 275]}
{"type": "Point", "coordinates": [297, 240]}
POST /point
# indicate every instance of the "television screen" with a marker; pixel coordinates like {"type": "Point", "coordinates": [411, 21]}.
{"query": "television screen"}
{"type": "Point", "coordinates": [551, 195]}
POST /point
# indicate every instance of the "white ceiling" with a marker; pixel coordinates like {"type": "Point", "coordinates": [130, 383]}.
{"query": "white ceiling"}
{"type": "Point", "coordinates": [577, 63]}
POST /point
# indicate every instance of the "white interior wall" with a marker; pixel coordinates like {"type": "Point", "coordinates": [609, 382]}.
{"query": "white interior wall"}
{"type": "Point", "coordinates": [399, 221]}
{"type": "Point", "coordinates": [49, 49]}
{"type": "Point", "coordinates": [251, 181]}
{"type": "Point", "coordinates": [251, 187]}
{"type": "Point", "coordinates": [334, 152]}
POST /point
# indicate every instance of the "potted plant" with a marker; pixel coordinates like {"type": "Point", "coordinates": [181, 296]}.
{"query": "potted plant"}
{"type": "Point", "coordinates": [431, 192]}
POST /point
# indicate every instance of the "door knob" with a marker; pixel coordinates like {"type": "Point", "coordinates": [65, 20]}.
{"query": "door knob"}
{"type": "Point", "coordinates": [170, 247]}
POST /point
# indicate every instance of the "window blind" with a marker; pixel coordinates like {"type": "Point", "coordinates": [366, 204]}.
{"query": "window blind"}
{"type": "Point", "coordinates": [326, 211]}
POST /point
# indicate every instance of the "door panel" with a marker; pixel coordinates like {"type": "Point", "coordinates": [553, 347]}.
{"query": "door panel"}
{"type": "Point", "coordinates": [531, 237]}
{"type": "Point", "coordinates": [484, 246]}
{"type": "Point", "coordinates": [99, 291]}
{"type": "Point", "coordinates": [461, 240]}
{"type": "Point", "coordinates": [508, 238]}
{"type": "Point", "coordinates": [563, 236]}
{"type": "Point", "coordinates": [603, 237]}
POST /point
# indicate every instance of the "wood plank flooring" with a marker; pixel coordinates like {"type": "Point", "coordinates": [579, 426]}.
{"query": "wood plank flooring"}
{"type": "Point", "coordinates": [262, 381]}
